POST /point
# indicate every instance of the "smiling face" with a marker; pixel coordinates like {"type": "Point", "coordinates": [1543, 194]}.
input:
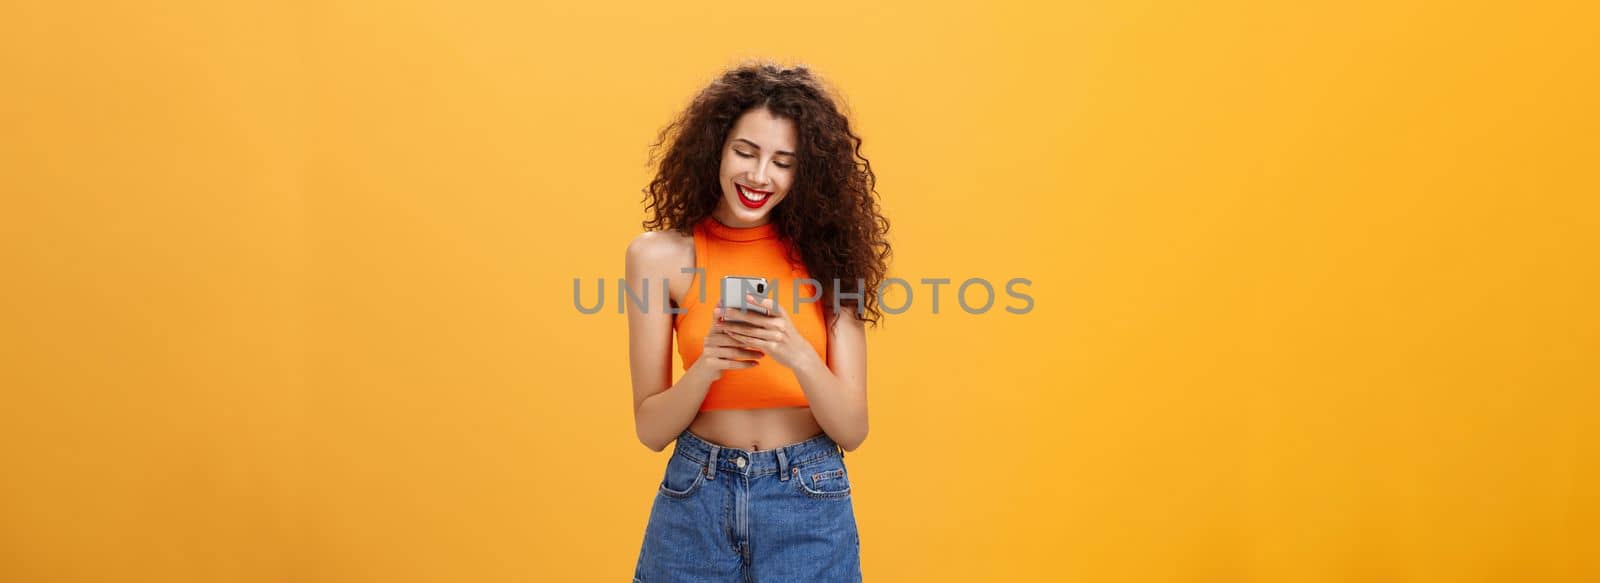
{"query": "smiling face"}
{"type": "Point", "coordinates": [758, 167]}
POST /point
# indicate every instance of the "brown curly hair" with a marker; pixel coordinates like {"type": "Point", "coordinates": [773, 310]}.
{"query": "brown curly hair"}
{"type": "Point", "coordinates": [830, 221]}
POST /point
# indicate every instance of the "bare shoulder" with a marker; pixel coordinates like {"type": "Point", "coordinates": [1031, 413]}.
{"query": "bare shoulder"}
{"type": "Point", "coordinates": [660, 251]}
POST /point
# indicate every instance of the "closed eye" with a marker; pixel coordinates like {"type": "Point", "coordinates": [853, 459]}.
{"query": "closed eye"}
{"type": "Point", "coordinates": [744, 155]}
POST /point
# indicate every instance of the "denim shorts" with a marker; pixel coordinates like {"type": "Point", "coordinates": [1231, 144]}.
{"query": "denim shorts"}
{"type": "Point", "coordinates": [731, 514]}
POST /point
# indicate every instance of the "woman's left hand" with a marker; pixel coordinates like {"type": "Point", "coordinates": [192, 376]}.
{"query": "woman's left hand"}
{"type": "Point", "coordinates": [774, 334]}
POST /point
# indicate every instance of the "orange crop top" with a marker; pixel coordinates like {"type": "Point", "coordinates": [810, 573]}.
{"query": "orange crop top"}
{"type": "Point", "coordinates": [756, 252]}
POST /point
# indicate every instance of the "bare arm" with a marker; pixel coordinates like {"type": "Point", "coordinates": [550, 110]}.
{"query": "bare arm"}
{"type": "Point", "coordinates": [661, 412]}
{"type": "Point", "coordinates": [660, 417]}
{"type": "Point", "coordinates": [837, 389]}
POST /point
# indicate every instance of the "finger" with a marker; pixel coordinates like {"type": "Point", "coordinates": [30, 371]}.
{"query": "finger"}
{"type": "Point", "coordinates": [729, 342]}
{"type": "Point", "coordinates": [750, 359]}
{"type": "Point", "coordinates": [744, 327]}
{"type": "Point", "coordinates": [727, 333]}
{"type": "Point", "coordinates": [738, 315]}
{"type": "Point", "coordinates": [746, 337]}
{"type": "Point", "coordinates": [737, 340]}
{"type": "Point", "coordinates": [766, 304]}
{"type": "Point", "coordinates": [778, 321]}
{"type": "Point", "coordinates": [753, 315]}
{"type": "Point", "coordinates": [762, 345]}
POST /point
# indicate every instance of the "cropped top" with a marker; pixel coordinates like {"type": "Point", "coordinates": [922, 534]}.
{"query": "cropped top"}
{"type": "Point", "coordinates": [755, 252]}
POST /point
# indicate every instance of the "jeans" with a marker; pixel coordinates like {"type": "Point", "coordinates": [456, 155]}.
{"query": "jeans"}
{"type": "Point", "coordinates": [731, 514]}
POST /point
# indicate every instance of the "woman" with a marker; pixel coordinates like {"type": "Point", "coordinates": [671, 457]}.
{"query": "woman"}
{"type": "Point", "coordinates": [761, 177]}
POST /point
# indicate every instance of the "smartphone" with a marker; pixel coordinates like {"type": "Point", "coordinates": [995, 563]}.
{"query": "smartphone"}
{"type": "Point", "coordinates": [734, 288]}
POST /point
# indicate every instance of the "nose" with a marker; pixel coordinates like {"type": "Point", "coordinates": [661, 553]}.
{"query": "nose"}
{"type": "Point", "coordinates": [758, 177]}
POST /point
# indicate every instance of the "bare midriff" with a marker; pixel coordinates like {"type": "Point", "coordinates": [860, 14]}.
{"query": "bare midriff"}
{"type": "Point", "coordinates": [756, 429]}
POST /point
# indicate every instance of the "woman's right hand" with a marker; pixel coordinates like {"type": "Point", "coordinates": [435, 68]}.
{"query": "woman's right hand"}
{"type": "Point", "coordinates": [721, 352]}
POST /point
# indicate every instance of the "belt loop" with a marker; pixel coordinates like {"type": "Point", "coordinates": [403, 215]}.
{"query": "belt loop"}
{"type": "Point", "coordinates": [711, 463]}
{"type": "Point", "coordinates": [783, 466]}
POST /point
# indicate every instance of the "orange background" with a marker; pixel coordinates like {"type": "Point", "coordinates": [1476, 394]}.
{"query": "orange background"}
{"type": "Point", "coordinates": [288, 286]}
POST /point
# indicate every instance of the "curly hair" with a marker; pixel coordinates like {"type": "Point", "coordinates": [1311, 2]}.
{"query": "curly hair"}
{"type": "Point", "coordinates": [830, 221]}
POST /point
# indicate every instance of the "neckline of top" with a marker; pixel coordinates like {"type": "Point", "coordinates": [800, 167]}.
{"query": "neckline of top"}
{"type": "Point", "coordinates": [716, 228]}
